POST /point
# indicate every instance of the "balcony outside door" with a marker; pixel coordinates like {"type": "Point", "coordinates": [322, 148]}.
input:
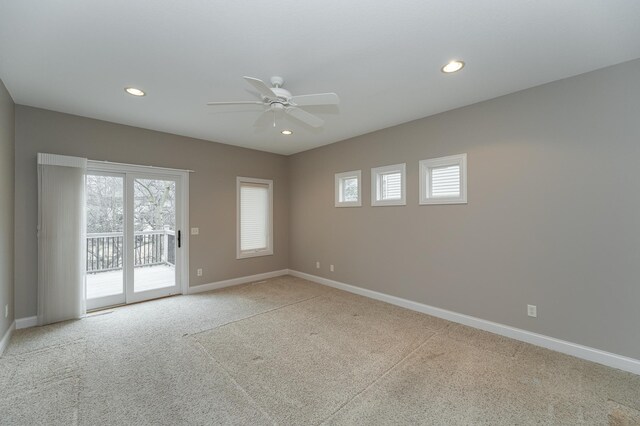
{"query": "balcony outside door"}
{"type": "Point", "coordinates": [134, 237]}
{"type": "Point", "coordinates": [105, 239]}
{"type": "Point", "coordinates": [155, 240]}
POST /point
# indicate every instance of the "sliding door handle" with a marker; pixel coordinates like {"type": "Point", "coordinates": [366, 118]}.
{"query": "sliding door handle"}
{"type": "Point", "coordinates": [179, 239]}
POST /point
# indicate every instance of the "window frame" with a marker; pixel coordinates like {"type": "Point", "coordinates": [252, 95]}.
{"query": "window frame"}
{"type": "Point", "coordinates": [425, 179]}
{"type": "Point", "coordinates": [339, 178]}
{"type": "Point", "coordinates": [243, 254]}
{"type": "Point", "coordinates": [376, 172]}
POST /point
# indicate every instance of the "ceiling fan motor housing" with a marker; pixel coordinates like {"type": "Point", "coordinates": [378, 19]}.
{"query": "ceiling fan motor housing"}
{"type": "Point", "coordinates": [282, 93]}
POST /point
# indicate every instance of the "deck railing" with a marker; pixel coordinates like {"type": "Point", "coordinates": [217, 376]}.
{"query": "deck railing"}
{"type": "Point", "coordinates": [105, 251]}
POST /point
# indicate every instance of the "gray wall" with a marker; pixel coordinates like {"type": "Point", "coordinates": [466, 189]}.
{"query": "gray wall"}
{"type": "Point", "coordinates": [212, 194]}
{"type": "Point", "coordinates": [553, 217]}
{"type": "Point", "coordinates": [7, 121]}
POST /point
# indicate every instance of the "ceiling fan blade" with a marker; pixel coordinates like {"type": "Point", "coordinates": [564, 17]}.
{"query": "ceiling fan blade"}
{"type": "Point", "coordinates": [236, 103]}
{"type": "Point", "coordinates": [304, 116]}
{"type": "Point", "coordinates": [317, 99]}
{"type": "Point", "coordinates": [261, 87]}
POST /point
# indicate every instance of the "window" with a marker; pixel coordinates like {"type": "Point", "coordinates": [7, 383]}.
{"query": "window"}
{"type": "Point", "coordinates": [348, 189]}
{"type": "Point", "coordinates": [444, 180]}
{"type": "Point", "coordinates": [388, 185]}
{"type": "Point", "coordinates": [255, 217]}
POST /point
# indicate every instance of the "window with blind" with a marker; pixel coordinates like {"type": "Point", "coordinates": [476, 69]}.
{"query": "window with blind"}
{"type": "Point", "coordinates": [348, 189]}
{"type": "Point", "coordinates": [255, 210]}
{"type": "Point", "coordinates": [444, 180]}
{"type": "Point", "coordinates": [388, 185]}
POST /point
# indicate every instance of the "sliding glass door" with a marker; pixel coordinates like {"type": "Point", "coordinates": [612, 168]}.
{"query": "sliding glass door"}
{"type": "Point", "coordinates": [133, 237]}
{"type": "Point", "coordinates": [156, 238]}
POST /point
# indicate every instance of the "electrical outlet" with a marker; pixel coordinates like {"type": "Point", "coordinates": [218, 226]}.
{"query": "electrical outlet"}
{"type": "Point", "coordinates": [195, 231]}
{"type": "Point", "coordinates": [331, 268]}
{"type": "Point", "coordinates": [6, 311]}
{"type": "Point", "coordinates": [199, 272]}
{"type": "Point", "coordinates": [317, 265]}
{"type": "Point", "coordinates": [532, 311]}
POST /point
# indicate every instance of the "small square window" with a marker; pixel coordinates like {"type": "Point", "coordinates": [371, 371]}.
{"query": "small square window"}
{"type": "Point", "coordinates": [444, 180]}
{"type": "Point", "coordinates": [348, 189]}
{"type": "Point", "coordinates": [388, 185]}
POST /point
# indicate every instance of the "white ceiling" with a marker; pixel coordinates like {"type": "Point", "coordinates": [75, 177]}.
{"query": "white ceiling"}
{"type": "Point", "coordinates": [382, 57]}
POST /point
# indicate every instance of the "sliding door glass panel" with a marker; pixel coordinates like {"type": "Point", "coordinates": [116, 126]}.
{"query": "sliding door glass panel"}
{"type": "Point", "coordinates": [105, 239]}
{"type": "Point", "coordinates": [154, 236]}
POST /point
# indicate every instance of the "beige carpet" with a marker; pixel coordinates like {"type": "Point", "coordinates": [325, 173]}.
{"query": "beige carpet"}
{"type": "Point", "coordinates": [287, 351]}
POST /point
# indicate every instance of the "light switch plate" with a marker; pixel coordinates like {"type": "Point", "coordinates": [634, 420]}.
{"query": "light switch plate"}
{"type": "Point", "coordinates": [195, 231]}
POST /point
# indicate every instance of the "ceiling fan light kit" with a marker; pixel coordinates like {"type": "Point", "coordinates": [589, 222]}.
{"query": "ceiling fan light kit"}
{"type": "Point", "coordinates": [276, 98]}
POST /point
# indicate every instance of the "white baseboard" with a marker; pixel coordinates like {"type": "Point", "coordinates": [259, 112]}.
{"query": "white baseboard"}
{"type": "Point", "coordinates": [7, 336]}
{"type": "Point", "coordinates": [236, 281]}
{"type": "Point", "coordinates": [590, 354]}
{"type": "Point", "coordinates": [26, 322]}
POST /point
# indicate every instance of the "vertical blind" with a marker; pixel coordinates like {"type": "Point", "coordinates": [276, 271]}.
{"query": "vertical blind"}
{"type": "Point", "coordinates": [254, 216]}
{"type": "Point", "coordinates": [445, 181]}
{"type": "Point", "coordinates": [61, 237]}
{"type": "Point", "coordinates": [391, 186]}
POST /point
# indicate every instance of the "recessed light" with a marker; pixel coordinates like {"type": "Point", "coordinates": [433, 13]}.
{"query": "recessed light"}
{"type": "Point", "coordinates": [133, 91]}
{"type": "Point", "coordinates": [286, 132]}
{"type": "Point", "coordinates": [453, 66]}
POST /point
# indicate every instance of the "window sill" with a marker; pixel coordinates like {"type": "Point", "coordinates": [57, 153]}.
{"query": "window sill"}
{"type": "Point", "coordinates": [349, 204]}
{"type": "Point", "coordinates": [389, 203]}
{"type": "Point", "coordinates": [434, 201]}
{"type": "Point", "coordinates": [249, 254]}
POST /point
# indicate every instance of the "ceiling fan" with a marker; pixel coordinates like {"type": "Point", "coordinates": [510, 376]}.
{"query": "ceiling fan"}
{"type": "Point", "coordinates": [276, 99]}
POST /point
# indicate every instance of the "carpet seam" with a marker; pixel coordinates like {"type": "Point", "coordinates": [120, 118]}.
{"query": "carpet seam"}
{"type": "Point", "coordinates": [251, 316]}
{"type": "Point", "coordinates": [238, 386]}
{"type": "Point", "coordinates": [45, 348]}
{"type": "Point", "coordinates": [74, 378]}
{"type": "Point", "coordinates": [377, 379]}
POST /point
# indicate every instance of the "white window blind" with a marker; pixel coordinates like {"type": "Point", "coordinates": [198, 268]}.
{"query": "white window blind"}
{"type": "Point", "coordinates": [254, 202]}
{"type": "Point", "coordinates": [445, 181]}
{"type": "Point", "coordinates": [388, 185]}
{"type": "Point", "coordinates": [391, 186]}
{"type": "Point", "coordinates": [254, 222]}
